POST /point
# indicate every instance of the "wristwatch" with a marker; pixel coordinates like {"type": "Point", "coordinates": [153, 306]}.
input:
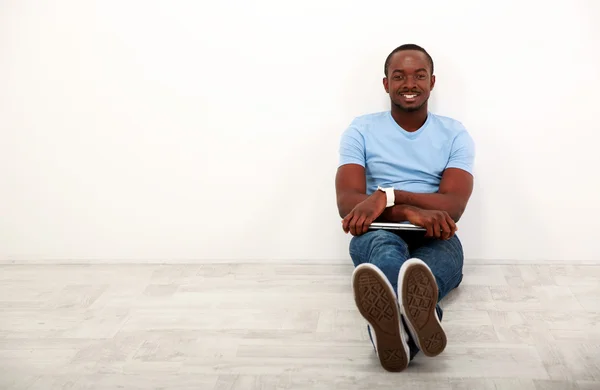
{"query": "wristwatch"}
{"type": "Point", "coordinates": [389, 194]}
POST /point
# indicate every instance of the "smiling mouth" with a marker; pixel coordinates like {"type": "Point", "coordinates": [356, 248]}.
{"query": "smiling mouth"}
{"type": "Point", "coordinates": [409, 96]}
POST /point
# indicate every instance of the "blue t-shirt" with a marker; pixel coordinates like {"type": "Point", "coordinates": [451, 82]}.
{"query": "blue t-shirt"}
{"type": "Point", "coordinates": [409, 161]}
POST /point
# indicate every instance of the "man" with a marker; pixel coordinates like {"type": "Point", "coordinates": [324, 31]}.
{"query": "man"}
{"type": "Point", "coordinates": [406, 164]}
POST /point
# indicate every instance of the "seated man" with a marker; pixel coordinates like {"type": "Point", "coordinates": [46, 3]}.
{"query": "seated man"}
{"type": "Point", "coordinates": [406, 164]}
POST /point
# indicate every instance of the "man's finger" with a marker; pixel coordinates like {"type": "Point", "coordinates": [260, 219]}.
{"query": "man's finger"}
{"type": "Point", "coordinates": [346, 222]}
{"type": "Point", "coordinates": [367, 224]}
{"type": "Point", "coordinates": [360, 224]}
{"type": "Point", "coordinates": [452, 225]}
{"type": "Point", "coordinates": [436, 229]}
{"type": "Point", "coordinates": [352, 225]}
{"type": "Point", "coordinates": [447, 231]}
{"type": "Point", "coordinates": [429, 228]}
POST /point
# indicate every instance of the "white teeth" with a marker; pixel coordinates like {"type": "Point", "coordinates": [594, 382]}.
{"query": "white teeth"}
{"type": "Point", "coordinates": [410, 96]}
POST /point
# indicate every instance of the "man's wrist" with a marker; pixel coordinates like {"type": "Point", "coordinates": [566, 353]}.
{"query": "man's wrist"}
{"type": "Point", "coordinates": [408, 209]}
{"type": "Point", "coordinates": [398, 213]}
{"type": "Point", "coordinates": [401, 197]}
{"type": "Point", "coordinates": [380, 197]}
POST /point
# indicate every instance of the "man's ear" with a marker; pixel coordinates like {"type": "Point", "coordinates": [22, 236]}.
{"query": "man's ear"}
{"type": "Point", "coordinates": [386, 85]}
{"type": "Point", "coordinates": [432, 81]}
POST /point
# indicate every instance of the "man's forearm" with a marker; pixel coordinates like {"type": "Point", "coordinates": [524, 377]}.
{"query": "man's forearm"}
{"type": "Point", "coordinates": [348, 200]}
{"type": "Point", "coordinates": [436, 201]}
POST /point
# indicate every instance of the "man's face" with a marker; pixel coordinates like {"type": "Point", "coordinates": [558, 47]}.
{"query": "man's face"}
{"type": "Point", "coordinates": [409, 81]}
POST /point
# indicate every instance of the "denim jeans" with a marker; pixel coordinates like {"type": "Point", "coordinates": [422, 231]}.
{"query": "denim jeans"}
{"type": "Point", "coordinates": [389, 249]}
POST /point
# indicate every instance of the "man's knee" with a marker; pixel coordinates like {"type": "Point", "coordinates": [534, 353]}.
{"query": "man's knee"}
{"type": "Point", "coordinates": [361, 246]}
{"type": "Point", "coordinates": [375, 238]}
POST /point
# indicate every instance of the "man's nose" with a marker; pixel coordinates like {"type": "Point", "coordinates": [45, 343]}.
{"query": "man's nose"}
{"type": "Point", "coordinates": [411, 82]}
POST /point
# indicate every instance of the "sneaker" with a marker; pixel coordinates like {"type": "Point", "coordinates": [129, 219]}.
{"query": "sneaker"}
{"type": "Point", "coordinates": [417, 295]}
{"type": "Point", "coordinates": [375, 299]}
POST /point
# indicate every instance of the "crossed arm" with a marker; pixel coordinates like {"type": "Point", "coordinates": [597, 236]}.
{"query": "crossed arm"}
{"type": "Point", "coordinates": [454, 192]}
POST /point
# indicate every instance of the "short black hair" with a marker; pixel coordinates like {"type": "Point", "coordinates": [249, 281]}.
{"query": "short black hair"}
{"type": "Point", "coordinates": [408, 46]}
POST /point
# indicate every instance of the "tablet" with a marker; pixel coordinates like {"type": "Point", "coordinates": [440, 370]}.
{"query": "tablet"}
{"type": "Point", "coordinates": [395, 226]}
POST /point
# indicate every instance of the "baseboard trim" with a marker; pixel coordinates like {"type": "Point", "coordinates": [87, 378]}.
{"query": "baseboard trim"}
{"type": "Point", "coordinates": [530, 262]}
{"type": "Point", "coordinates": [270, 261]}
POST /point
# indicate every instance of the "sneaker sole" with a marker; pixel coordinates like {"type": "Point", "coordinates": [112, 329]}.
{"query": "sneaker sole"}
{"type": "Point", "coordinates": [419, 293]}
{"type": "Point", "coordinates": [376, 302]}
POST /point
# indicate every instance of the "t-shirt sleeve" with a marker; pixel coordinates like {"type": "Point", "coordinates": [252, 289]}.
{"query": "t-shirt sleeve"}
{"type": "Point", "coordinates": [352, 147]}
{"type": "Point", "coordinates": [462, 155]}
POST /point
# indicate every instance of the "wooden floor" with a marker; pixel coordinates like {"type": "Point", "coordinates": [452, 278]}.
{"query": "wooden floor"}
{"type": "Point", "coordinates": [285, 327]}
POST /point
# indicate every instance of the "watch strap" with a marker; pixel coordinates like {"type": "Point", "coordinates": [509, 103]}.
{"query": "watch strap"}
{"type": "Point", "coordinates": [389, 194]}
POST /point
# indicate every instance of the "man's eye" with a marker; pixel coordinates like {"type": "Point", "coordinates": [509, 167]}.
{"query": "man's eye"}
{"type": "Point", "coordinates": [421, 77]}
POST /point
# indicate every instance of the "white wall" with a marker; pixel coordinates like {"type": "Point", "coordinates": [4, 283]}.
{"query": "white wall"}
{"type": "Point", "coordinates": [137, 130]}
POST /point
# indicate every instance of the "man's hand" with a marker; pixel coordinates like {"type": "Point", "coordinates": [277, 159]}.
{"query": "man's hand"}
{"type": "Point", "coordinates": [364, 214]}
{"type": "Point", "coordinates": [438, 223]}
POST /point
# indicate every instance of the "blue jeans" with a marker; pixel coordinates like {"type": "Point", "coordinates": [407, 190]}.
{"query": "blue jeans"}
{"type": "Point", "coordinates": [389, 249]}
